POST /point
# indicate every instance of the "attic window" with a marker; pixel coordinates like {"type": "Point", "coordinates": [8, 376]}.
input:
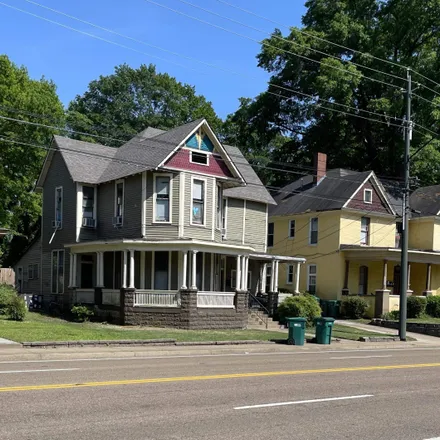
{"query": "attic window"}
{"type": "Point", "coordinates": [368, 196]}
{"type": "Point", "coordinates": [199, 158]}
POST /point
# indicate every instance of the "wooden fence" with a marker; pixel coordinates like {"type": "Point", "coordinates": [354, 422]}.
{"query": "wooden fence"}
{"type": "Point", "coordinates": [7, 276]}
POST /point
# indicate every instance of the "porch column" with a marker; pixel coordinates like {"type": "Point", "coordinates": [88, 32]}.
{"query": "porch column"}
{"type": "Point", "coordinates": [243, 273]}
{"type": "Point", "coordinates": [385, 274]}
{"type": "Point", "coordinates": [261, 280]}
{"type": "Point", "coordinates": [345, 290]}
{"type": "Point", "coordinates": [272, 271]}
{"type": "Point", "coordinates": [275, 286]}
{"type": "Point", "coordinates": [246, 274]}
{"type": "Point", "coordinates": [71, 270]}
{"type": "Point", "coordinates": [238, 273]}
{"type": "Point", "coordinates": [409, 291]}
{"type": "Point", "coordinates": [74, 277]}
{"type": "Point", "coordinates": [99, 269]}
{"type": "Point", "coordinates": [184, 269]}
{"type": "Point", "coordinates": [428, 277]}
{"type": "Point", "coordinates": [131, 280]}
{"type": "Point", "coordinates": [124, 270]}
{"type": "Point", "coordinates": [142, 270]}
{"type": "Point", "coordinates": [194, 270]}
{"type": "Point", "coordinates": [297, 272]}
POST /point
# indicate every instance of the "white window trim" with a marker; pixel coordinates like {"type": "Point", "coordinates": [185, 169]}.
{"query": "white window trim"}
{"type": "Point", "coordinates": [51, 270]}
{"type": "Point", "coordinates": [368, 191]}
{"type": "Point", "coordinates": [117, 182]}
{"type": "Point", "coordinates": [199, 152]}
{"type": "Point", "coordinates": [310, 232]}
{"type": "Point", "coordinates": [62, 207]}
{"type": "Point", "coordinates": [95, 203]}
{"type": "Point", "coordinates": [290, 228]}
{"type": "Point", "coordinates": [288, 272]}
{"type": "Point", "coordinates": [308, 277]}
{"type": "Point", "coordinates": [157, 222]}
{"type": "Point", "coordinates": [367, 231]}
{"type": "Point", "coordinates": [205, 202]}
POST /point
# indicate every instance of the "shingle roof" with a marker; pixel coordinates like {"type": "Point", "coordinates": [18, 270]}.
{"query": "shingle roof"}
{"type": "Point", "coordinates": [254, 189]}
{"type": "Point", "coordinates": [85, 161]}
{"type": "Point", "coordinates": [426, 200]}
{"type": "Point", "coordinates": [95, 163]}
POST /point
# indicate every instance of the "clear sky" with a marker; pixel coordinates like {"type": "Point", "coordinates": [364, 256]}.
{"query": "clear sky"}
{"type": "Point", "coordinates": [72, 59]}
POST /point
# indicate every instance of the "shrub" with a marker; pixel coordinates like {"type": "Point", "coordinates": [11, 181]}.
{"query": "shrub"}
{"type": "Point", "coordinates": [17, 309]}
{"type": "Point", "coordinates": [304, 306]}
{"type": "Point", "coordinates": [391, 316]}
{"type": "Point", "coordinates": [416, 306]}
{"type": "Point", "coordinates": [81, 313]}
{"type": "Point", "coordinates": [433, 306]}
{"type": "Point", "coordinates": [354, 307]}
{"type": "Point", "coordinates": [7, 294]}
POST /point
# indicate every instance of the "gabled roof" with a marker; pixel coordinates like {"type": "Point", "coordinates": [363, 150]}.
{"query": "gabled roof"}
{"type": "Point", "coordinates": [426, 200]}
{"type": "Point", "coordinates": [332, 193]}
{"type": "Point", "coordinates": [148, 150]}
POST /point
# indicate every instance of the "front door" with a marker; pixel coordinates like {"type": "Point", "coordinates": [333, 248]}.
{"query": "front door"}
{"type": "Point", "coordinates": [86, 275]}
{"type": "Point", "coordinates": [396, 280]}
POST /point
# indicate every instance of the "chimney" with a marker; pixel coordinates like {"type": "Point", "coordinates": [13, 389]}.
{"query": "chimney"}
{"type": "Point", "coordinates": [320, 167]}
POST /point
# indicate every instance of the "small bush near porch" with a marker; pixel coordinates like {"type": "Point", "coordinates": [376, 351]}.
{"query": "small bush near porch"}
{"type": "Point", "coordinates": [38, 327]}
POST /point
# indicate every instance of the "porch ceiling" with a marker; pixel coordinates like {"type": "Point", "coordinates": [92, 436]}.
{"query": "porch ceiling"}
{"type": "Point", "coordinates": [391, 254]}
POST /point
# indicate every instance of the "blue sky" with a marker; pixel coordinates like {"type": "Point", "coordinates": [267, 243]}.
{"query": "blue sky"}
{"type": "Point", "coordinates": [72, 59]}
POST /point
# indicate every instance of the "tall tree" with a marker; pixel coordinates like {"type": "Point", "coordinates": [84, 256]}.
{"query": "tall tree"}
{"type": "Point", "coordinates": [405, 32]}
{"type": "Point", "coordinates": [122, 104]}
{"type": "Point", "coordinates": [23, 98]}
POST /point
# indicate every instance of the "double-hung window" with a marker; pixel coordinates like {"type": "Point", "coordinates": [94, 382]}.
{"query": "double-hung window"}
{"type": "Point", "coordinates": [162, 203]}
{"type": "Point", "coordinates": [365, 230]}
{"type": "Point", "coordinates": [313, 238]}
{"type": "Point", "coordinates": [270, 234]}
{"type": "Point", "coordinates": [290, 274]}
{"type": "Point", "coordinates": [311, 279]}
{"type": "Point", "coordinates": [292, 229]}
{"type": "Point", "coordinates": [88, 206]}
{"type": "Point", "coordinates": [58, 271]}
{"type": "Point", "coordinates": [58, 222]}
{"type": "Point", "coordinates": [198, 202]}
{"type": "Point", "coordinates": [219, 220]}
{"type": "Point", "coordinates": [119, 202]}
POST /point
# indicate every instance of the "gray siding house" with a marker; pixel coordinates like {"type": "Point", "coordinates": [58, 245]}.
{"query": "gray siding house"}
{"type": "Point", "coordinates": [169, 229]}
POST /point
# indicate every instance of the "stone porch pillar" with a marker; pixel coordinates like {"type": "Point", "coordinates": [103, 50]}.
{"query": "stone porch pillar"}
{"type": "Point", "coordinates": [297, 273]}
{"type": "Point", "coordinates": [345, 290]}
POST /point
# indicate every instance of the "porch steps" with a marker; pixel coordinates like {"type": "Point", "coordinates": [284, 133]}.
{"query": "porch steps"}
{"type": "Point", "coordinates": [259, 320]}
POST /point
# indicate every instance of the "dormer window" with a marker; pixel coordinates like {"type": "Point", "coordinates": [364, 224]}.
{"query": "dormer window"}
{"type": "Point", "coordinates": [199, 158]}
{"type": "Point", "coordinates": [368, 196]}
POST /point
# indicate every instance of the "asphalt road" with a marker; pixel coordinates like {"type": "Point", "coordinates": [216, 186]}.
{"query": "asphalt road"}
{"type": "Point", "coordinates": [326, 395]}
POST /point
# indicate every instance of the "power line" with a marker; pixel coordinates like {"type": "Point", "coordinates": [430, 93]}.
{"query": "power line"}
{"type": "Point", "coordinates": [287, 40]}
{"type": "Point", "coordinates": [309, 34]}
{"type": "Point", "coordinates": [95, 36]}
{"type": "Point", "coordinates": [269, 45]}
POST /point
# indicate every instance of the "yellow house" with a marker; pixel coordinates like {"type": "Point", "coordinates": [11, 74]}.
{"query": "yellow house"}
{"type": "Point", "coordinates": [347, 227]}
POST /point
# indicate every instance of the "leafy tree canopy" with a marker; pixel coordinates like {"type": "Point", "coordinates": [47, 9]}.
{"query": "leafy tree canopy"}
{"type": "Point", "coordinates": [126, 102]}
{"type": "Point", "coordinates": [22, 98]}
{"type": "Point", "coordinates": [405, 32]}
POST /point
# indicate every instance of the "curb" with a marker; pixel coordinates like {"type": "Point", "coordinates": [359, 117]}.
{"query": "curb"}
{"type": "Point", "coordinates": [379, 339]}
{"type": "Point", "coordinates": [136, 342]}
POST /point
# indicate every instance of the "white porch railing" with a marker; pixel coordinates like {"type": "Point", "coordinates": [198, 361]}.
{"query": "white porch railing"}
{"type": "Point", "coordinates": [111, 297]}
{"type": "Point", "coordinates": [216, 300]}
{"type": "Point", "coordinates": [157, 298]}
{"type": "Point", "coordinates": [85, 296]}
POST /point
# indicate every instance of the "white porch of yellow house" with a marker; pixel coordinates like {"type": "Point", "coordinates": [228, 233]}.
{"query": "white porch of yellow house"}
{"type": "Point", "coordinates": [374, 273]}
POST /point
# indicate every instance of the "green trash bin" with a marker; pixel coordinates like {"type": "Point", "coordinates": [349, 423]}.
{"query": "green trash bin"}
{"type": "Point", "coordinates": [324, 330]}
{"type": "Point", "coordinates": [324, 307]}
{"type": "Point", "coordinates": [332, 309]}
{"type": "Point", "coordinates": [297, 331]}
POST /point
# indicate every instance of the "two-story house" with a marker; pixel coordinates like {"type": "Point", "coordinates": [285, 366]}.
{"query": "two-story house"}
{"type": "Point", "coordinates": [347, 226]}
{"type": "Point", "coordinates": [168, 229]}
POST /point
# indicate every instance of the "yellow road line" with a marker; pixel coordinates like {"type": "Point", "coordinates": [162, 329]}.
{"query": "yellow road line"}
{"type": "Point", "coordinates": [212, 377]}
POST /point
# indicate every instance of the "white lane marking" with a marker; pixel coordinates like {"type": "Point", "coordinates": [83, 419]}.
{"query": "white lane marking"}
{"type": "Point", "coordinates": [195, 356]}
{"type": "Point", "coordinates": [299, 402]}
{"type": "Point", "coordinates": [362, 357]}
{"type": "Point", "coordinates": [435, 438]}
{"type": "Point", "coordinates": [39, 371]}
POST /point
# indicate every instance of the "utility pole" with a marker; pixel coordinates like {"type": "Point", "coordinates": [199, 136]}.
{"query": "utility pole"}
{"type": "Point", "coordinates": [405, 215]}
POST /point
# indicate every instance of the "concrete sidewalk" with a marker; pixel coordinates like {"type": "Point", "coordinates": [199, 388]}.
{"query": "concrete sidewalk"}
{"type": "Point", "coordinates": [421, 339]}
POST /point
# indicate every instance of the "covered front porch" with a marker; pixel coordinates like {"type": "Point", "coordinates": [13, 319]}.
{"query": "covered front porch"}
{"type": "Point", "coordinates": [158, 279]}
{"type": "Point", "coordinates": [374, 273]}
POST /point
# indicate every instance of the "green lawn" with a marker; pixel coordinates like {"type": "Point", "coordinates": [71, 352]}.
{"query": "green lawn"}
{"type": "Point", "coordinates": [345, 332]}
{"type": "Point", "coordinates": [42, 328]}
{"type": "Point", "coordinates": [425, 320]}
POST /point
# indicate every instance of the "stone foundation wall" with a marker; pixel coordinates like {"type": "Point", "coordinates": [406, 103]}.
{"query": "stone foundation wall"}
{"type": "Point", "coordinates": [424, 329]}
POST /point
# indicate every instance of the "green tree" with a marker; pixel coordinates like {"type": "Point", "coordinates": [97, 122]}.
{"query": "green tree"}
{"type": "Point", "coordinates": [405, 32]}
{"type": "Point", "coordinates": [27, 99]}
{"type": "Point", "coordinates": [126, 102]}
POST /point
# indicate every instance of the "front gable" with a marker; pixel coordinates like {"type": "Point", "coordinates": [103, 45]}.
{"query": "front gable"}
{"type": "Point", "coordinates": [201, 152]}
{"type": "Point", "coordinates": [369, 196]}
